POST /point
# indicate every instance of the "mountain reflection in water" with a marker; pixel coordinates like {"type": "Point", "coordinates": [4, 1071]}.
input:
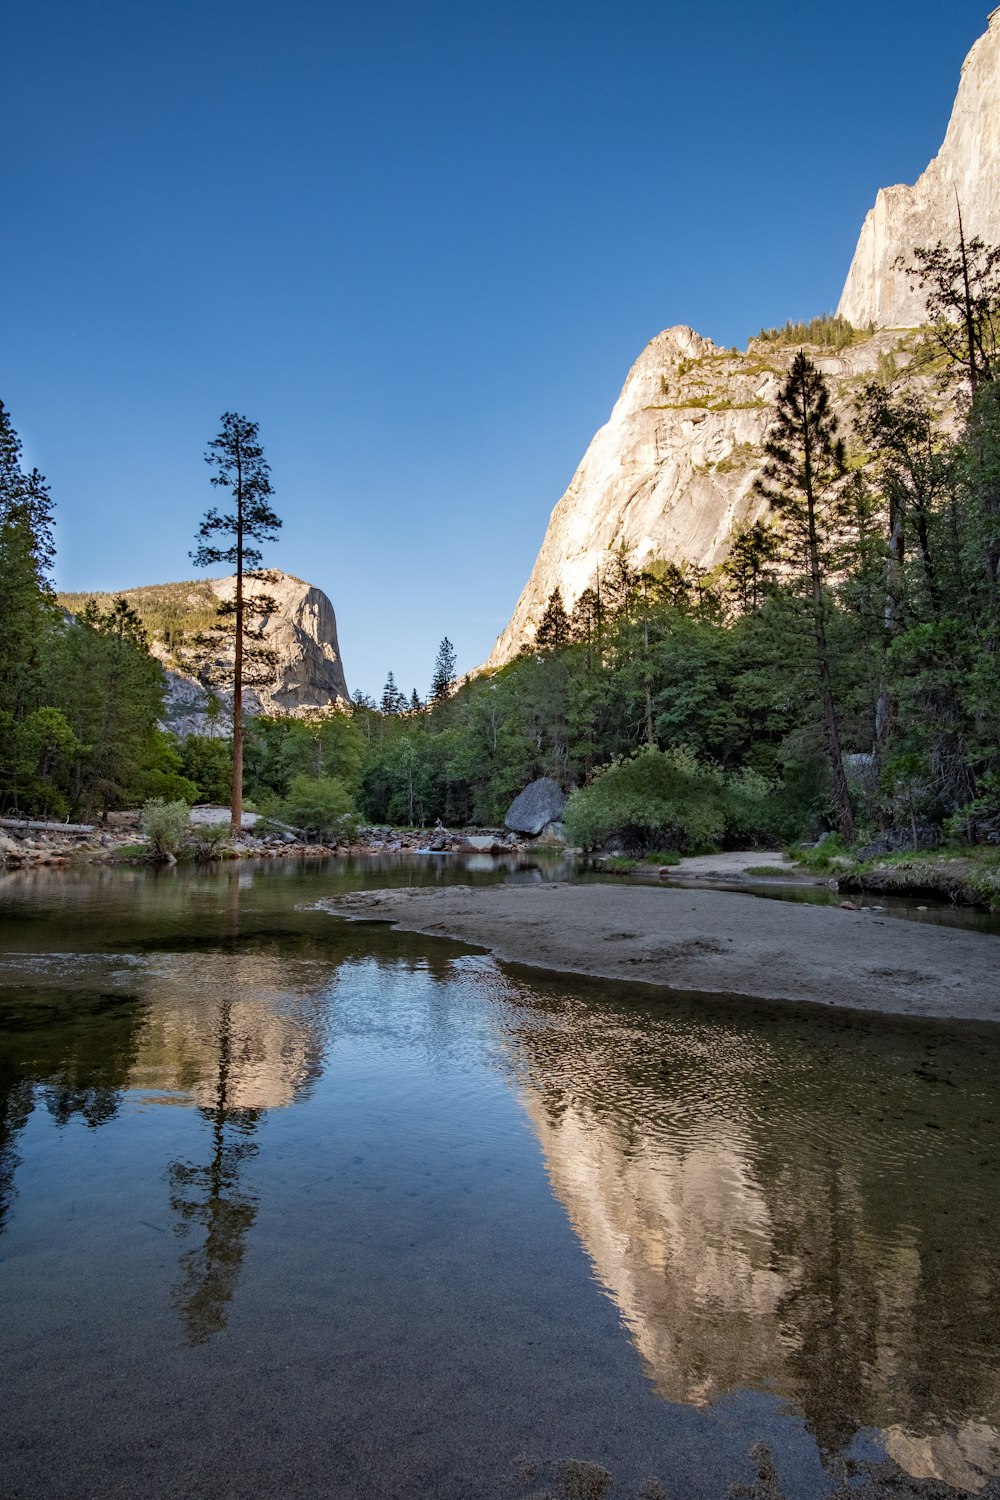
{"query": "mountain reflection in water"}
{"type": "Point", "coordinates": [297, 1138]}
{"type": "Point", "coordinates": [796, 1207]}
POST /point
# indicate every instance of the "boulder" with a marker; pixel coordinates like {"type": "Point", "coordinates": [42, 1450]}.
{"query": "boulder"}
{"type": "Point", "coordinates": [481, 843]}
{"type": "Point", "coordinates": [536, 807]}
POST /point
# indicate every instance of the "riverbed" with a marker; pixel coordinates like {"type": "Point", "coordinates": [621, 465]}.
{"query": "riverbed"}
{"type": "Point", "coordinates": [296, 1206]}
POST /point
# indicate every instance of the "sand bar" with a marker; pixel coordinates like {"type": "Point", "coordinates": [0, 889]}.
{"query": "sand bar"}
{"type": "Point", "coordinates": [714, 941]}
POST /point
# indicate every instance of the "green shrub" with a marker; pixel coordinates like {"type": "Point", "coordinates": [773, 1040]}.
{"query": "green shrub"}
{"type": "Point", "coordinates": [211, 840]}
{"type": "Point", "coordinates": [165, 825]}
{"type": "Point", "coordinates": [820, 860]}
{"type": "Point", "coordinates": [662, 857]}
{"type": "Point", "coordinates": [656, 797]}
{"type": "Point", "coordinates": [170, 786]}
{"type": "Point", "coordinates": [321, 806]}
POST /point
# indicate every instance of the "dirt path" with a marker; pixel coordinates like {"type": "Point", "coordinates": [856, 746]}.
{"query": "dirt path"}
{"type": "Point", "coordinates": [715, 941]}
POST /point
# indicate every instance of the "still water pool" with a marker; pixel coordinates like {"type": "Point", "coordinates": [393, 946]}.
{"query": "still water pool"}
{"type": "Point", "coordinates": [291, 1206]}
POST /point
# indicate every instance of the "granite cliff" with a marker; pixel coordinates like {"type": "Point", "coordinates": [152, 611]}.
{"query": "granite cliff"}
{"type": "Point", "coordinates": [307, 674]}
{"type": "Point", "coordinates": [965, 171]}
{"type": "Point", "coordinates": [671, 473]}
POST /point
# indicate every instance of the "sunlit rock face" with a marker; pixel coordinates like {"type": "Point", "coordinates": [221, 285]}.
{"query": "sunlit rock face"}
{"type": "Point", "coordinates": [254, 1042]}
{"type": "Point", "coordinates": [671, 473]}
{"type": "Point", "coordinates": [305, 676]}
{"type": "Point", "coordinates": [965, 171]}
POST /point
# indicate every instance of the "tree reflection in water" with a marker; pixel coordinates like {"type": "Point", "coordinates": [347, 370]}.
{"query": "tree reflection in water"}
{"type": "Point", "coordinates": [213, 1198]}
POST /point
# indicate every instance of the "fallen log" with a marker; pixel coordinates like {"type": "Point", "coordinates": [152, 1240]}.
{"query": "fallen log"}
{"type": "Point", "coordinates": [30, 825]}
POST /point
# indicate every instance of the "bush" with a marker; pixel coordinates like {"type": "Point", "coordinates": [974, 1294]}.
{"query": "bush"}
{"type": "Point", "coordinates": [170, 786]}
{"type": "Point", "coordinates": [321, 806]}
{"type": "Point", "coordinates": [165, 824]}
{"type": "Point", "coordinates": [656, 798]}
{"type": "Point", "coordinates": [211, 840]}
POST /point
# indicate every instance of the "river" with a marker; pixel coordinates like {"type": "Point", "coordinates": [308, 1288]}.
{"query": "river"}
{"type": "Point", "coordinates": [294, 1206]}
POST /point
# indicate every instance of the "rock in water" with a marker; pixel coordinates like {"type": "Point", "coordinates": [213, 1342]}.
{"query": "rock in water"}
{"type": "Point", "coordinates": [540, 804]}
{"type": "Point", "coordinates": [966, 170]}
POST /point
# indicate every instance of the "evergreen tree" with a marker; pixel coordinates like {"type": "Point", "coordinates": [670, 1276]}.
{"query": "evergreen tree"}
{"type": "Point", "coordinates": [27, 614]}
{"type": "Point", "coordinates": [804, 481]}
{"type": "Point", "coordinates": [111, 692]}
{"type": "Point", "coordinates": [553, 628]}
{"type": "Point", "coordinates": [962, 292]}
{"type": "Point", "coordinates": [393, 701]}
{"type": "Point", "coordinates": [748, 568]}
{"type": "Point", "coordinates": [444, 672]}
{"type": "Point", "coordinates": [240, 467]}
{"type": "Point", "coordinates": [415, 704]}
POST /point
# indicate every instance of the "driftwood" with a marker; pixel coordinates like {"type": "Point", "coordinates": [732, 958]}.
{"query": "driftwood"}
{"type": "Point", "coordinates": [26, 825]}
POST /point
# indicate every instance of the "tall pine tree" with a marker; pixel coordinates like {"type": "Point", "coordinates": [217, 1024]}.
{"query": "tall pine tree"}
{"type": "Point", "coordinates": [239, 465]}
{"type": "Point", "coordinates": [804, 481]}
{"type": "Point", "coordinates": [444, 672]}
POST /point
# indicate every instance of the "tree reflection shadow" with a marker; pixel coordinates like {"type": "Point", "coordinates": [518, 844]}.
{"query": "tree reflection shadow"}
{"type": "Point", "coordinates": [213, 1198]}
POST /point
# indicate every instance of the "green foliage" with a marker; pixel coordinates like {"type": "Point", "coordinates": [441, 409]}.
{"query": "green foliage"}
{"type": "Point", "coordinates": [662, 857]}
{"type": "Point", "coordinates": [655, 797]}
{"type": "Point", "coordinates": [822, 858]}
{"type": "Point", "coordinates": [321, 806]}
{"type": "Point", "coordinates": [827, 332]}
{"type": "Point", "coordinates": [177, 614]}
{"type": "Point", "coordinates": [165, 825]}
{"type": "Point", "coordinates": [444, 672]}
{"type": "Point", "coordinates": [209, 841]}
{"type": "Point", "coordinates": [208, 764]}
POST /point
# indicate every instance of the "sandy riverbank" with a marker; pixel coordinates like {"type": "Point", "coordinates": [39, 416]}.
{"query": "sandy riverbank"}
{"type": "Point", "coordinates": [714, 941]}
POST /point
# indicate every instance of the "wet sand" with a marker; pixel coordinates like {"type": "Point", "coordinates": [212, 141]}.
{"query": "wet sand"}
{"type": "Point", "coordinates": [713, 941]}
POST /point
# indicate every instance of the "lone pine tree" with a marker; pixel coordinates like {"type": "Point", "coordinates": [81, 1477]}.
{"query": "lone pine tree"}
{"type": "Point", "coordinates": [240, 467]}
{"type": "Point", "coordinates": [804, 481]}
{"type": "Point", "coordinates": [444, 672]}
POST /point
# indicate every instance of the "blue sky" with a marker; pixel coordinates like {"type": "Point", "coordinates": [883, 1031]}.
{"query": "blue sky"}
{"type": "Point", "coordinates": [421, 245]}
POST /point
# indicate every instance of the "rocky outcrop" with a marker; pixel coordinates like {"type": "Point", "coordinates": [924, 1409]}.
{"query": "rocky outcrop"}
{"type": "Point", "coordinates": [306, 675]}
{"type": "Point", "coordinates": [671, 473]}
{"type": "Point", "coordinates": [965, 171]}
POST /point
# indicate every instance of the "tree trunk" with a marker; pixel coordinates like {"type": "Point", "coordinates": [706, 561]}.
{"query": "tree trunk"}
{"type": "Point", "coordinates": [236, 803]}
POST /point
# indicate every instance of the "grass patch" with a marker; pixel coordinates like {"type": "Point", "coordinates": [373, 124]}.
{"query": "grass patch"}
{"type": "Point", "coordinates": [662, 857]}
{"type": "Point", "coordinates": [618, 864]}
{"type": "Point", "coordinates": [828, 858]}
{"type": "Point", "coordinates": [970, 876]}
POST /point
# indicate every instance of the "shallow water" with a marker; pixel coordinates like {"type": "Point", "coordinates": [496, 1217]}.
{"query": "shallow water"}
{"type": "Point", "coordinates": [296, 1206]}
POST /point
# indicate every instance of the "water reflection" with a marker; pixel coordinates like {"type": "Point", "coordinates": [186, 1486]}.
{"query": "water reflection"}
{"type": "Point", "coordinates": [775, 1202]}
{"type": "Point", "coordinates": [213, 1198]}
{"type": "Point", "coordinates": [806, 1207]}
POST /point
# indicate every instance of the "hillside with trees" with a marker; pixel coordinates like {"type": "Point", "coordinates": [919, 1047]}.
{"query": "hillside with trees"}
{"type": "Point", "coordinates": [836, 672]}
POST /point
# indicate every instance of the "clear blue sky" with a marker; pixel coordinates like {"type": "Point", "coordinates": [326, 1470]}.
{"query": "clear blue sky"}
{"type": "Point", "coordinates": [421, 245]}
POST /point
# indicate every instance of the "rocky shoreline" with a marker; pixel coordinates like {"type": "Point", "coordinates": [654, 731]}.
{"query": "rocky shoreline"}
{"type": "Point", "coordinates": [32, 843]}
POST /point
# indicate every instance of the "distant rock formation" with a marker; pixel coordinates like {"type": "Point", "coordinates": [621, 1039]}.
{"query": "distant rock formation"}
{"type": "Point", "coordinates": [670, 475]}
{"type": "Point", "coordinates": [966, 170]}
{"type": "Point", "coordinates": [307, 676]}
